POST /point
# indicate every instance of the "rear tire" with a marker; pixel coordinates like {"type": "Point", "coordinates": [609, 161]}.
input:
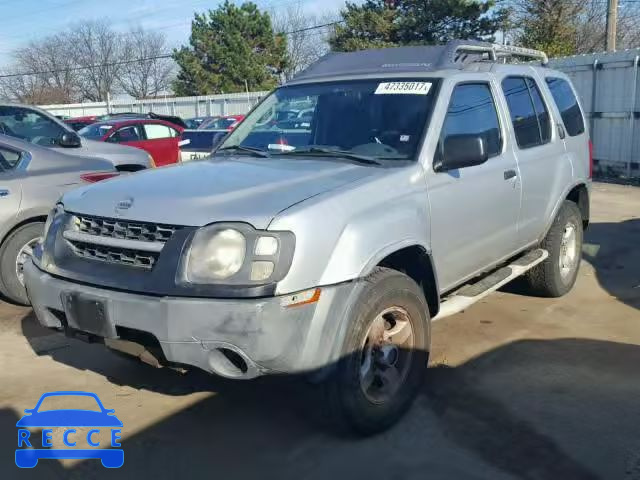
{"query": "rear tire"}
{"type": "Point", "coordinates": [18, 243]}
{"type": "Point", "coordinates": [556, 276]}
{"type": "Point", "coordinates": [384, 357]}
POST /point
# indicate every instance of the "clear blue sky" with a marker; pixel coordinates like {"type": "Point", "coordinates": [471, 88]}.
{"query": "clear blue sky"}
{"type": "Point", "coordinates": [25, 20]}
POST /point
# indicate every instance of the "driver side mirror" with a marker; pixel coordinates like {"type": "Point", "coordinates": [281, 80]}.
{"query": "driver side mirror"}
{"type": "Point", "coordinates": [460, 151]}
{"type": "Point", "coordinates": [70, 140]}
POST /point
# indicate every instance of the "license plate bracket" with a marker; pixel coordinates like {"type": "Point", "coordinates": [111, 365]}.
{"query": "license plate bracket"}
{"type": "Point", "coordinates": [88, 313]}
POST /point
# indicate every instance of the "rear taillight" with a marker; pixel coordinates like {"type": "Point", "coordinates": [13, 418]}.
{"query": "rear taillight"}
{"type": "Point", "coordinates": [590, 159]}
{"type": "Point", "coordinates": [98, 176]}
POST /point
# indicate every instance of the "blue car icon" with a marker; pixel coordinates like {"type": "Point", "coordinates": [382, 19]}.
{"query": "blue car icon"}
{"type": "Point", "coordinates": [110, 458]}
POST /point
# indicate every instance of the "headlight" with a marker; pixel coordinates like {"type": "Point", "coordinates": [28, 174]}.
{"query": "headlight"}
{"type": "Point", "coordinates": [237, 254]}
{"type": "Point", "coordinates": [216, 256]}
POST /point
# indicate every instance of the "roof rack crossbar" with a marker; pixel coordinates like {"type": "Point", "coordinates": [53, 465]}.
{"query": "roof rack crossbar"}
{"type": "Point", "coordinates": [496, 51]}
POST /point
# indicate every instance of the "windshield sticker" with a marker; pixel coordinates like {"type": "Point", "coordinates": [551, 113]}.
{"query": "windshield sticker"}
{"type": "Point", "coordinates": [403, 88]}
{"type": "Point", "coordinates": [405, 138]}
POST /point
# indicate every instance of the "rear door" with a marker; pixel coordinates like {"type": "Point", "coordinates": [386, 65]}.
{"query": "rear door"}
{"type": "Point", "coordinates": [576, 137]}
{"type": "Point", "coordinates": [11, 179]}
{"type": "Point", "coordinates": [544, 169]}
{"type": "Point", "coordinates": [163, 140]}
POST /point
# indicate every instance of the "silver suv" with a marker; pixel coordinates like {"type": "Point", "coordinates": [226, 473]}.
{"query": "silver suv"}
{"type": "Point", "coordinates": [423, 179]}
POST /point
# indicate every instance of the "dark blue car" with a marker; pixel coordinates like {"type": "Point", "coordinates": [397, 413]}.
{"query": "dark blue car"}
{"type": "Point", "coordinates": [28, 457]}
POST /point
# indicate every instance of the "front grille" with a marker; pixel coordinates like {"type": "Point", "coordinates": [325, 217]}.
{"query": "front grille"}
{"type": "Point", "coordinates": [122, 256]}
{"type": "Point", "coordinates": [113, 237]}
{"type": "Point", "coordinates": [124, 229]}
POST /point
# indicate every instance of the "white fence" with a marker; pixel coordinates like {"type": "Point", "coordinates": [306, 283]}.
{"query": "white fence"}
{"type": "Point", "coordinates": [185, 107]}
{"type": "Point", "coordinates": [608, 87]}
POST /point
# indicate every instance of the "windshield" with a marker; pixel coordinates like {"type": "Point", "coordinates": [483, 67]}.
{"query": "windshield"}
{"type": "Point", "coordinates": [30, 125]}
{"type": "Point", "coordinates": [95, 131]}
{"type": "Point", "coordinates": [379, 119]}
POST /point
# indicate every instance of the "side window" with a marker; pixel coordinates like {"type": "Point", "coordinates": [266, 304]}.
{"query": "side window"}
{"type": "Point", "coordinates": [472, 111]}
{"type": "Point", "coordinates": [568, 105]}
{"type": "Point", "coordinates": [126, 134]}
{"type": "Point", "coordinates": [529, 115]}
{"type": "Point", "coordinates": [155, 131]}
{"type": "Point", "coordinates": [9, 159]}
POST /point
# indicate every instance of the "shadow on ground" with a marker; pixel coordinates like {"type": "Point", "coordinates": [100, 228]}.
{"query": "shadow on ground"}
{"type": "Point", "coordinates": [614, 251]}
{"type": "Point", "coordinates": [555, 409]}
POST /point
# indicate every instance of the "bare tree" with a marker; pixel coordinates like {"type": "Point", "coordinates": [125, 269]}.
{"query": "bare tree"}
{"type": "Point", "coordinates": [146, 78]}
{"type": "Point", "coordinates": [55, 77]}
{"type": "Point", "coordinates": [99, 51]}
{"type": "Point", "coordinates": [304, 46]}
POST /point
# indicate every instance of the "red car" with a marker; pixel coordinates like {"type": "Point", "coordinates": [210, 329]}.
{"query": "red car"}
{"type": "Point", "coordinates": [157, 137]}
{"type": "Point", "coordinates": [78, 123]}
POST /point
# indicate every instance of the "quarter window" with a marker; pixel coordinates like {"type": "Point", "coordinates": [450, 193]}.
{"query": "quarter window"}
{"type": "Point", "coordinates": [155, 131]}
{"type": "Point", "coordinates": [9, 159]}
{"type": "Point", "coordinates": [568, 105]}
{"type": "Point", "coordinates": [472, 111]}
{"type": "Point", "coordinates": [530, 117]}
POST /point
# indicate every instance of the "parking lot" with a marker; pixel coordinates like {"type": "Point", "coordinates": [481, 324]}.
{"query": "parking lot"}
{"type": "Point", "coordinates": [519, 387]}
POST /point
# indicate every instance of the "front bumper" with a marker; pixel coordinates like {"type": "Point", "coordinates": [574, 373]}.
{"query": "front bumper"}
{"type": "Point", "coordinates": [267, 336]}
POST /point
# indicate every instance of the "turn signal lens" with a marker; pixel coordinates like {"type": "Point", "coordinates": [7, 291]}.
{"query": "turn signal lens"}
{"type": "Point", "coordinates": [301, 298]}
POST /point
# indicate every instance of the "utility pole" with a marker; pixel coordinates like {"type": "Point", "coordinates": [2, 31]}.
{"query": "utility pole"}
{"type": "Point", "coordinates": [612, 23]}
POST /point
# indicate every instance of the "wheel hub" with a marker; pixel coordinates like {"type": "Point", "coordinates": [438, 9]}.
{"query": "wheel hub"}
{"type": "Point", "coordinates": [386, 354]}
{"type": "Point", "coordinates": [568, 250]}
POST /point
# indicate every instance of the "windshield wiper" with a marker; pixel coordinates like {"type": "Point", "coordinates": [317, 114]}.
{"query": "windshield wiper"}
{"type": "Point", "coordinates": [256, 152]}
{"type": "Point", "coordinates": [333, 153]}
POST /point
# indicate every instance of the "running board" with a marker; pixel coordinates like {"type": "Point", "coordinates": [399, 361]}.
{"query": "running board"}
{"type": "Point", "coordinates": [471, 293]}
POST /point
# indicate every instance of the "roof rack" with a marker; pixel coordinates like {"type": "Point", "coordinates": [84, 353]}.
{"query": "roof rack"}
{"type": "Point", "coordinates": [496, 51]}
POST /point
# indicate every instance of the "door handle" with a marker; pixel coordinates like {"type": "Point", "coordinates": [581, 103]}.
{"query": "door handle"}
{"type": "Point", "coordinates": [508, 174]}
{"type": "Point", "coordinates": [4, 192]}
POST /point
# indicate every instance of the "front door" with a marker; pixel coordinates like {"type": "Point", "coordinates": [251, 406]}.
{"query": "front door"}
{"type": "Point", "coordinates": [474, 210]}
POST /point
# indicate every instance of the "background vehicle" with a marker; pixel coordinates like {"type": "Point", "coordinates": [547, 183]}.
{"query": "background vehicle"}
{"type": "Point", "coordinates": [39, 127]}
{"type": "Point", "coordinates": [416, 190]}
{"type": "Point", "coordinates": [226, 122]}
{"type": "Point", "coordinates": [32, 178]}
{"type": "Point", "coordinates": [195, 122]}
{"type": "Point", "coordinates": [78, 123]}
{"type": "Point", "coordinates": [158, 138]}
{"type": "Point", "coordinates": [154, 116]}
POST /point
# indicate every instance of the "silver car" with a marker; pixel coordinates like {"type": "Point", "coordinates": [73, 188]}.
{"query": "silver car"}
{"type": "Point", "coordinates": [32, 178]}
{"type": "Point", "coordinates": [425, 179]}
{"type": "Point", "coordinates": [37, 126]}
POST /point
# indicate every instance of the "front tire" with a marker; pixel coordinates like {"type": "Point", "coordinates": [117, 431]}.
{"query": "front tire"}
{"type": "Point", "coordinates": [384, 357]}
{"type": "Point", "coordinates": [556, 276]}
{"type": "Point", "coordinates": [15, 250]}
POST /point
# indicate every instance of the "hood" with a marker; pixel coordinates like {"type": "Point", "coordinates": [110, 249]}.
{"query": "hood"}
{"type": "Point", "coordinates": [201, 192]}
{"type": "Point", "coordinates": [116, 154]}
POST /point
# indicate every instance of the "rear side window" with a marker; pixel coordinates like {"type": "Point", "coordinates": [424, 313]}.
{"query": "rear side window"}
{"type": "Point", "coordinates": [155, 130]}
{"type": "Point", "coordinates": [472, 111]}
{"type": "Point", "coordinates": [530, 117]}
{"type": "Point", "coordinates": [568, 105]}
